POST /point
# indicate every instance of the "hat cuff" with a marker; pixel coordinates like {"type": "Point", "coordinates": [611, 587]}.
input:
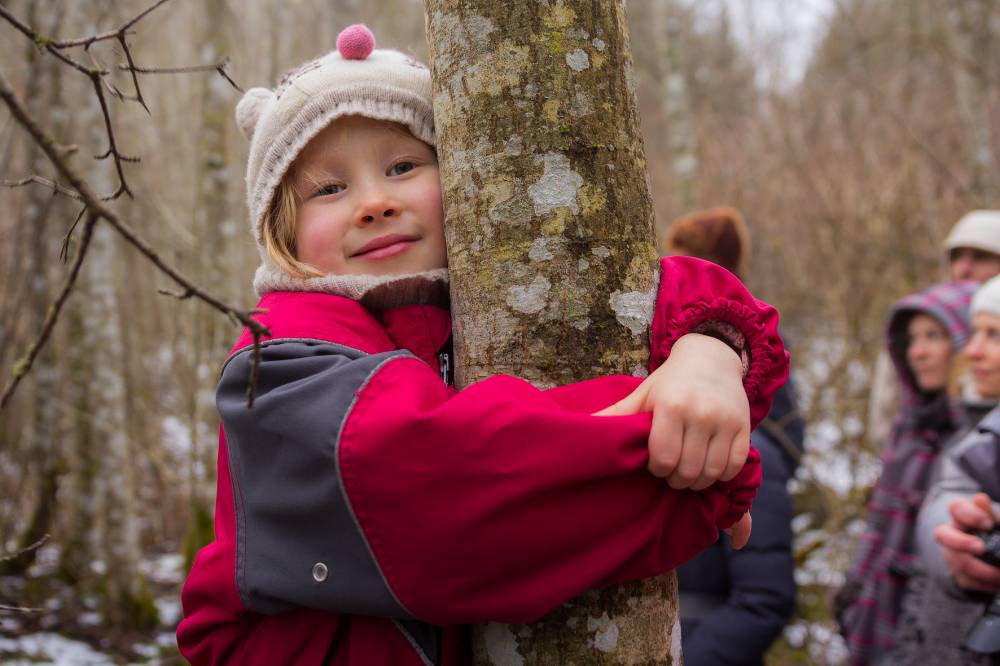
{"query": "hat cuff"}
{"type": "Point", "coordinates": [270, 278]}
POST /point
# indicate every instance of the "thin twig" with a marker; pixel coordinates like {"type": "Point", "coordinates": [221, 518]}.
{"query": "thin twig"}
{"type": "Point", "coordinates": [180, 296]}
{"type": "Point", "coordinates": [54, 186]}
{"type": "Point", "coordinates": [64, 250]}
{"type": "Point", "coordinates": [135, 79]}
{"type": "Point", "coordinates": [27, 549]}
{"type": "Point", "coordinates": [112, 34]}
{"type": "Point", "coordinates": [219, 67]}
{"type": "Point", "coordinates": [22, 367]}
{"type": "Point", "coordinates": [19, 609]}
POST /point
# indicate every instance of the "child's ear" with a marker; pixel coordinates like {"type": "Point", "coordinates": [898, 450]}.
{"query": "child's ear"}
{"type": "Point", "coordinates": [250, 108]}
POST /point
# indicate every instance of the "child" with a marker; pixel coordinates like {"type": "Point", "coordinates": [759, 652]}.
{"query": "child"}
{"type": "Point", "coordinates": [361, 500]}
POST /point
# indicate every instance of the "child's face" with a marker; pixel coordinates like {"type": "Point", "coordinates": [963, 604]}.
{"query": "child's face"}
{"type": "Point", "coordinates": [370, 201]}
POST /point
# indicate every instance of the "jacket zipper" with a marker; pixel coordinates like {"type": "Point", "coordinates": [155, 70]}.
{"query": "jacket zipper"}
{"type": "Point", "coordinates": [444, 365]}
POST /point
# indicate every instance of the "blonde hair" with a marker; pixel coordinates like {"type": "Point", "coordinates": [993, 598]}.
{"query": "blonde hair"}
{"type": "Point", "coordinates": [278, 231]}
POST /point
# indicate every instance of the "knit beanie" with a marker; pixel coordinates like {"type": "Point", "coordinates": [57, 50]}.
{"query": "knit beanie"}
{"type": "Point", "coordinates": [355, 79]}
{"type": "Point", "coordinates": [979, 230]}
{"type": "Point", "coordinates": [987, 298]}
{"type": "Point", "coordinates": [718, 235]}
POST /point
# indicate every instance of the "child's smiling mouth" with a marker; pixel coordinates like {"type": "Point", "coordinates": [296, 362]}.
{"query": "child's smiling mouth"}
{"type": "Point", "coordinates": [385, 246]}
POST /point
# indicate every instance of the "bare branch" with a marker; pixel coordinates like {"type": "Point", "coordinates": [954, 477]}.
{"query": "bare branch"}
{"type": "Point", "coordinates": [22, 367]}
{"type": "Point", "coordinates": [180, 296]}
{"type": "Point", "coordinates": [113, 34]}
{"type": "Point", "coordinates": [135, 79]}
{"type": "Point", "coordinates": [27, 549]}
{"type": "Point", "coordinates": [220, 67]}
{"type": "Point", "coordinates": [97, 210]}
{"type": "Point", "coordinates": [64, 250]}
{"type": "Point", "coordinates": [38, 180]}
{"type": "Point", "coordinates": [19, 609]}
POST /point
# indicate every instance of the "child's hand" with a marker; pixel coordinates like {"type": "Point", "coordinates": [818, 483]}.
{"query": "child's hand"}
{"type": "Point", "coordinates": [701, 415]}
{"type": "Point", "coordinates": [739, 533]}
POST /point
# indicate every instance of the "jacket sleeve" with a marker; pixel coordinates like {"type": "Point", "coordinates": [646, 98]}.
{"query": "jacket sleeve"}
{"type": "Point", "coordinates": [761, 576]}
{"type": "Point", "coordinates": [363, 484]}
{"type": "Point", "coordinates": [952, 483]}
{"type": "Point", "coordinates": [696, 295]}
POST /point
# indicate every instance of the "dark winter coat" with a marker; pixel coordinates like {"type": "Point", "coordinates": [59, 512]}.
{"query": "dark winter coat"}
{"type": "Point", "coordinates": [735, 603]}
{"type": "Point", "coordinates": [869, 603]}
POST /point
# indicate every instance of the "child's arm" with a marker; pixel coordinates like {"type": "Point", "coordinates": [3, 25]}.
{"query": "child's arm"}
{"type": "Point", "coordinates": [496, 503]}
{"type": "Point", "coordinates": [705, 398]}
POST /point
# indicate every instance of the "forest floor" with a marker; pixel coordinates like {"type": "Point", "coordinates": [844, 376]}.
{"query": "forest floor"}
{"type": "Point", "coordinates": [61, 627]}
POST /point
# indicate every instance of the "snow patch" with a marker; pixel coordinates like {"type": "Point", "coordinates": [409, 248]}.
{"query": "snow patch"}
{"type": "Point", "coordinates": [50, 648]}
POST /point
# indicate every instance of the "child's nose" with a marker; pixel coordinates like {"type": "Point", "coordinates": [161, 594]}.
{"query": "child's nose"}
{"type": "Point", "coordinates": [375, 214]}
{"type": "Point", "coordinates": [376, 205]}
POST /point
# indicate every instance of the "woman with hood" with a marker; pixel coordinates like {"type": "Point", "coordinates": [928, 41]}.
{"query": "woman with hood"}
{"type": "Point", "coordinates": [925, 332]}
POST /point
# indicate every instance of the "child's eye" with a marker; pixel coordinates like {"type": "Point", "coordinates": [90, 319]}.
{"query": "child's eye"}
{"type": "Point", "coordinates": [400, 168]}
{"type": "Point", "coordinates": [332, 188]}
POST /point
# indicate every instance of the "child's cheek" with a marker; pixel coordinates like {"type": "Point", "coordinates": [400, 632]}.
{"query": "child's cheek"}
{"type": "Point", "coordinates": [317, 240]}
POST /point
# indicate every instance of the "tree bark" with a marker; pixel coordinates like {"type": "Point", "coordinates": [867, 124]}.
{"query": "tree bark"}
{"type": "Point", "coordinates": [551, 251]}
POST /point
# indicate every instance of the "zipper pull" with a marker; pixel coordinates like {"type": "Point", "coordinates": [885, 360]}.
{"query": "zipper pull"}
{"type": "Point", "coordinates": [444, 365]}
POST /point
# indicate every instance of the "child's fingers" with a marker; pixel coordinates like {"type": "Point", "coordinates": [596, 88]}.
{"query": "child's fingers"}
{"type": "Point", "coordinates": [694, 448]}
{"type": "Point", "coordinates": [716, 460]}
{"type": "Point", "coordinates": [633, 403]}
{"type": "Point", "coordinates": [738, 452]}
{"type": "Point", "coordinates": [666, 438]}
{"type": "Point", "coordinates": [739, 533]}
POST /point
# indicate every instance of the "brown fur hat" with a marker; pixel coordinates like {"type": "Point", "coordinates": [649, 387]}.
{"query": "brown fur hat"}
{"type": "Point", "coordinates": [718, 235]}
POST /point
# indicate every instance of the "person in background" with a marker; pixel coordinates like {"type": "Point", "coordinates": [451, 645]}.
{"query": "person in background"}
{"type": "Point", "coordinates": [973, 251]}
{"type": "Point", "coordinates": [925, 332]}
{"type": "Point", "coordinates": [958, 586]}
{"type": "Point", "coordinates": [735, 603]}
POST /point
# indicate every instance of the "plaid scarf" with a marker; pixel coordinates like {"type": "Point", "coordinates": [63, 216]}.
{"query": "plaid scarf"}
{"type": "Point", "coordinates": [872, 594]}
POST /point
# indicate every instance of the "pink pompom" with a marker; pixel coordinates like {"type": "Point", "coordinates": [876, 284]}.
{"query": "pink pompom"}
{"type": "Point", "coordinates": [355, 42]}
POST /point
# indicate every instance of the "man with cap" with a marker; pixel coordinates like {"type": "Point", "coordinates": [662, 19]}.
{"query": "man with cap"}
{"type": "Point", "coordinates": [973, 250]}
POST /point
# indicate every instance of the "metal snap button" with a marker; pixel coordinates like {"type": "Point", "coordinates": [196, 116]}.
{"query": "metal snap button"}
{"type": "Point", "coordinates": [320, 572]}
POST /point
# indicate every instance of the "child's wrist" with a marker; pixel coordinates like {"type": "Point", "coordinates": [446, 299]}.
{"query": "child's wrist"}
{"type": "Point", "coordinates": [705, 343]}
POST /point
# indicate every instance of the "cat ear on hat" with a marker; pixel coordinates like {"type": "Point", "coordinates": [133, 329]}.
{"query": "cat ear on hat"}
{"type": "Point", "coordinates": [250, 108]}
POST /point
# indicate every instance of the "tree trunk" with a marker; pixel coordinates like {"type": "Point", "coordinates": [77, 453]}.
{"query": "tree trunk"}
{"type": "Point", "coordinates": [550, 245]}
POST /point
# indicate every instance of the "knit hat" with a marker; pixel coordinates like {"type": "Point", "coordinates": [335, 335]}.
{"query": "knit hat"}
{"type": "Point", "coordinates": [987, 298]}
{"type": "Point", "coordinates": [356, 79]}
{"type": "Point", "coordinates": [979, 230]}
{"type": "Point", "coordinates": [718, 235]}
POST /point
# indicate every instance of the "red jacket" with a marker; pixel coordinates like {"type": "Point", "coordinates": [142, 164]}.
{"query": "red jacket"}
{"type": "Point", "coordinates": [365, 509]}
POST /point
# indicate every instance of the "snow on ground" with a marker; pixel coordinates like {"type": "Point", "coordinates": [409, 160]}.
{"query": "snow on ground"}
{"type": "Point", "coordinates": [52, 649]}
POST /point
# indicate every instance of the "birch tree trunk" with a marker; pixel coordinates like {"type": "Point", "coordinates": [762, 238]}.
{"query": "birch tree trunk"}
{"type": "Point", "coordinates": [550, 245]}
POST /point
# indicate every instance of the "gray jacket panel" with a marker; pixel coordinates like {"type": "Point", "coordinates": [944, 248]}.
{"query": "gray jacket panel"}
{"type": "Point", "coordinates": [952, 483]}
{"type": "Point", "coordinates": [298, 541]}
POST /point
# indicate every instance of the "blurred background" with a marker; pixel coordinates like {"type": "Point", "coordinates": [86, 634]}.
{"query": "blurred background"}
{"type": "Point", "coordinates": [851, 134]}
